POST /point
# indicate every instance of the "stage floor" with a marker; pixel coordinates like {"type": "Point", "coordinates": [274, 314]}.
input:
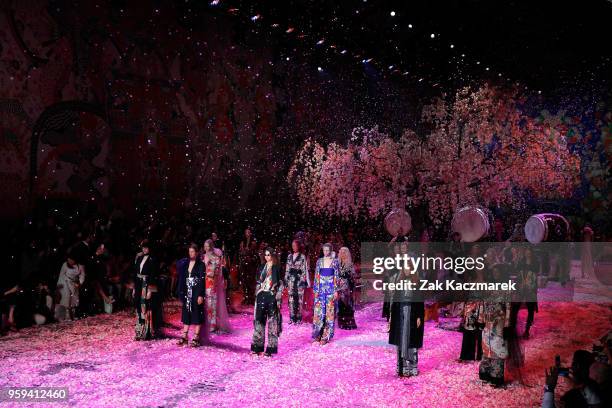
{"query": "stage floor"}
{"type": "Point", "coordinates": [101, 365]}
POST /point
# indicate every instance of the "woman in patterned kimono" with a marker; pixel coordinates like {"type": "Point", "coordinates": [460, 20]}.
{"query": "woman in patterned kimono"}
{"type": "Point", "coordinates": [267, 311]}
{"type": "Point", "coordinates": [325, 290]}
{"type": "Point", "coordinates": [146, 271]}
{"type": "Point", "coordinates": [406, 326]}
{"type": "Point", "coordinates": [496, 320]}
{"type": "Point", "coordinates": [71, 277]}
{"type": "Point", "coordinates": [296, 277]}
{"type": "Point", "coordinates": [191, 292]}
{"type": "Point", "coordinates": [212, 263]}
{"type": "Point", "coordinates": [496, 342]}
{"type": "Point", "coordinates": [346, 286]}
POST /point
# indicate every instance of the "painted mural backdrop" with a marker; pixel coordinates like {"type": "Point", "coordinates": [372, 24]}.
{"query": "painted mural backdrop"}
{"type": "Point", "coordinates": [163, 105]}
{"type": "Point", "coordinates": [100, 103]}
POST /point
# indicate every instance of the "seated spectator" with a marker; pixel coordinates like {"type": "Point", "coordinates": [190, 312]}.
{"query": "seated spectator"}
{"type": "Point", "coordinates": [8, 295]}
{"type": "Point", "coordinates": [43, 304]}
{"type": "Point", "coordinates": [97, 279]}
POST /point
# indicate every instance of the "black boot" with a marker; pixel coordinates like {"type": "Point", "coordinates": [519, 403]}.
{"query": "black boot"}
{"type": "Point", "coordinates": [526, 334]}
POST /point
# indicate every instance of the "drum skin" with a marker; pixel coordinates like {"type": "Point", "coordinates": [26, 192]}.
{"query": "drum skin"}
{"type": "Point", "coordinates": [398, 222]}
{"type": "Point", "coordinates": [472, 222]}
{"type": "Point", "coordinates": [546, 227]}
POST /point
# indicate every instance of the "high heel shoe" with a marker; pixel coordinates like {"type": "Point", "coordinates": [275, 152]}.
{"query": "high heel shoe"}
{"type": "Point", "coordinates": [182, 341]}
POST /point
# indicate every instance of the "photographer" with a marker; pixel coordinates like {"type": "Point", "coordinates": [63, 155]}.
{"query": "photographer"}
{"type": "Point", "coordinates": [584, 392]}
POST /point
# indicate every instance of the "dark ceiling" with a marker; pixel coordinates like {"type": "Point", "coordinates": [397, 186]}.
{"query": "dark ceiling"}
{"type": "Point", "coordinates": [544, 44]}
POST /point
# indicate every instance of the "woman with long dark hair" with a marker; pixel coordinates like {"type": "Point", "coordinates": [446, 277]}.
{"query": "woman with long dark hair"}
{"type": "Point", "coordinates": [191, 292]}
{"type": "Point", "coordinates": [267, 311]}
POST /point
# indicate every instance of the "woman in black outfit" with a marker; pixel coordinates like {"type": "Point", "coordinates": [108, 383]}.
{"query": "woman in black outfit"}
{"type": "Point", "coordinates": [528, 270]}
{"type": "Point", "coordinates": [406, 326]}
{"type": "Point", "coordinates": [145, 284]}
{"type": "Point", "coordinates": [191, 292]}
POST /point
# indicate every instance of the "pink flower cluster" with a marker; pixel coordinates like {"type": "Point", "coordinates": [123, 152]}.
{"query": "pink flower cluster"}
{"type": "Point", "coordinates": [479, 149]}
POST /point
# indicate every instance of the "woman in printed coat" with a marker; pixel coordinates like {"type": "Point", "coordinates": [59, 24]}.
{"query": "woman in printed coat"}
{"type": "Point", "coordinates": [325, 289]}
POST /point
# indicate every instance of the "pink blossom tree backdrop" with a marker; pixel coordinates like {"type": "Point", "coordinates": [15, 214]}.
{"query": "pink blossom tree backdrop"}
{"type": "Point", "coordinates": [479, 148]}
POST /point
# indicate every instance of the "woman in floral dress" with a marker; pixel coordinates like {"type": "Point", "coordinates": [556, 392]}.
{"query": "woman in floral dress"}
{"type": "Point", "coordinates": [212, 263]}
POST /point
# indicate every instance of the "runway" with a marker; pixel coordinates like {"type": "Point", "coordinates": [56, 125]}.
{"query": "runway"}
{"type": "Point", "coordinates": [100, 364]}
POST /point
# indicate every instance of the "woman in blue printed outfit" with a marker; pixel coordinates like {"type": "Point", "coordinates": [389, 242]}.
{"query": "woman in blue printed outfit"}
{"type": "Point", "coordinates": [325, 293]}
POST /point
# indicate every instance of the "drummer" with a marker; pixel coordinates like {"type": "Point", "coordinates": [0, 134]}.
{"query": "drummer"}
{"type": "Point", "coordinates": [457, 248]}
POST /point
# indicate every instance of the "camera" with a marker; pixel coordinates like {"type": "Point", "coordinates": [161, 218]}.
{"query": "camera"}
{"type": "Point", "coordinates": [561, 371]}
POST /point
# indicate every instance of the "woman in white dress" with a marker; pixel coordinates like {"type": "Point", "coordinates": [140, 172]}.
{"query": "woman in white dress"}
{"type": "Point", "coordinates": [71, 277]}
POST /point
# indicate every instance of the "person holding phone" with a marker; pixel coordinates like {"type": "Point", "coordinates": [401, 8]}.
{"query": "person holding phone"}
{"type": "Point", "coordinates": [584, 391]}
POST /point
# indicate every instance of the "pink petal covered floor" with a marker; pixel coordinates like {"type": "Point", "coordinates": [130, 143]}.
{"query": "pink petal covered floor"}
{"type": "Point", "coordinates": [102, 366]}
